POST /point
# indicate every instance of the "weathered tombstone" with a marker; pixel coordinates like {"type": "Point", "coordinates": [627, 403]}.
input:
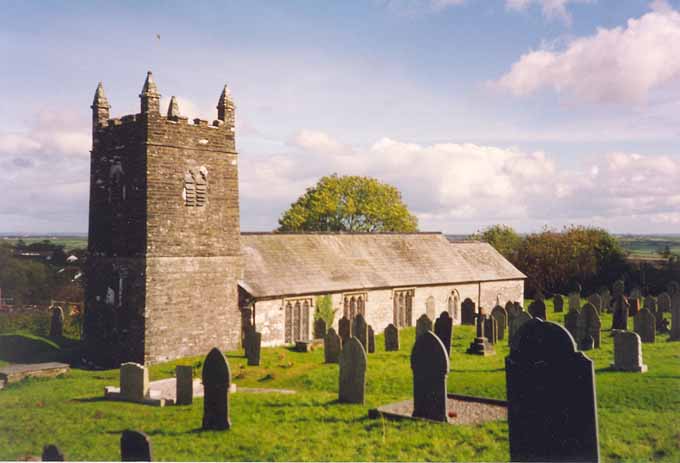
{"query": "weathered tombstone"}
{"type": "Point", "coordinates": [511, 310]}
{"type": "Point", "coordinates": [537, 309]}
{"type": "Point", "coordinates": [430, 366]}
{"type": "Point", "coordinates": [184, 376]}
{"type": "Point", "coordinates": [558, 303]}
{"type": "Point", "coordinates": [344, 329]}
{"type": "Point", "coordinates": [371, 340]}
{"type": "Point", "coordinates": [490, 329]}
{"type": "Point", "coordinates": [663, 302]}
{"type": "Point", "coordinates": [134, 382]}
{"type": "Point", "coordinates": [627, 352]}
{"type": "Point", "coordinates": [633, 307]}
{"type": "Point", "coordinates": [391, 338]}
{"type": "Point", "coordinates": [571, 323]}
{"type": "Point", "coordinates": [596, 301]}
{"type": "Point", "coordinates": [423, 325]}
{"type": "Point", "coordinates": [552, 411]}
{"type": "Point", "coordinates": [331, 346]}
{"type": "Point", "coordinates": [135, 446]}
{"type": "Point", "coordinates": [606, 297]}
{"type": "Point", "coordinates": [480, 345]}
{"type": "Point", "coordinates": [673, 288]}
{"type": "Point", "coordinates": [253, 344]}
{"type": "Point", "coordinates": [501, 317]}
{"type": "Point", "coordinates": [467, 312]}
{"type": "Point", "coordinates": [443, 328]}
{"type": "Point", "coordinates": [52, 453]}
{"type": "Point", "coordinates": [319, 328]}
{"type": "Point", "coordinates": [588, 328]}
{"type": "Point", "coordinates": [516, 323]}
{"type": "Point", "coordinates": [675, 317]}
{"type": "Point", "coordinates": [430, 308]}
{"type": "Point", "coordinates": [620, 318]}
{"type": "Point", "coordinates": [56, 321]}
{"type": "Point", "coordinates": [360, 330]}
{"type": "Point", "coordinates": [574, 301]}
{"type": "Point", "coordinates": [216, 381]}
{"type": "Point", "coordinates": [644, 324]}
{"type": "Point", "coordinates": [352, 372]}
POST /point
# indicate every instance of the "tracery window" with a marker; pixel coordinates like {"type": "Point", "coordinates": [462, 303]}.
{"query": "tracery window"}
{"type": "Point", "coordinates": [354, 304]}
{"type": "Point", "coordinates": [296, 319]}
{"type": "Point", "coordinates": [402, 301]}
{"type": "Point", "coordinates": [195, 192]}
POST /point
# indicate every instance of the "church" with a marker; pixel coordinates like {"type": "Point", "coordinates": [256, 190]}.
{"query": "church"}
{"type": "Point", "coordinates": [171, 275]}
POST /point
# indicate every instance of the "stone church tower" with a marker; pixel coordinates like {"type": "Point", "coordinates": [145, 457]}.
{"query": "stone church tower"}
{"type": "Point", "coordinates": [164, 234]}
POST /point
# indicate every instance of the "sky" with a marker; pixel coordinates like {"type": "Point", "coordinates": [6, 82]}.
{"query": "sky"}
{"type": "Point", "coordinates": [530, 113]}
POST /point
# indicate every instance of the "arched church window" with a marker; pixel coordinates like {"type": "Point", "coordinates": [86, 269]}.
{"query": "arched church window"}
{"type": "Point", "coordinates": [117, 190]}
{"type": "Point", "coordinates": [195, 191]}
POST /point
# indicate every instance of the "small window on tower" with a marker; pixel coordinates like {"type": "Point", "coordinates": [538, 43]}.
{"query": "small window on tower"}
{"type": "Point", "coordinates": [195, 187]}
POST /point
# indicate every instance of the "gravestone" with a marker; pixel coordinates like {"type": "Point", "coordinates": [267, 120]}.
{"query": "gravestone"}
{"type": "Point", "coordinates": [644, 324]}
{"type": "Point", "coordinates": [574, 302]}
{"type": "Point", "coordinates": [675, 317]}
{"type": "Point", "coordinates": [501, 317]}
{"type": "Point", "coordinates": [490, 329]}
{"type": "Point", "coordinates": [52, 453]}
{"type": "Point", "coordinates": [360, 330]}
{"type": "Point", "coordinates": [558, 303]}
{"type": "Point", "coordinates": [635, 294]}
{"type": "Point", "coordinates": [633, 307]}
{"type": "Point", "coordinates": [430, 366]}
{"type": "Point", "coordinates": [135, 446]}
{"type": "Point", "coordinates": [618, 288]}
{"type": "Point", "coordinates": [371, 340]}
{"type": "Point", "coordinates": [650, 304]}
{"type": "Point", "coordinates": [423, 325]}
{"type": "Point", "coordinates": [467, 312]}
{"type": "Point", "coordinates": [331, 346]}
{"type": "Point", "coordinates": [319, 328]}
{"type": "Point", "coordinates": [575, 288]}
{"type": "Point", "coordinates": [480, 345]}
{"type": "Point", "coordinates": [216, 381]}
{"type": "Point", "coordinates": [184, 376]}
{"type": "Point", "coordinates": [627, 352]}
{"type": "Point", "coordinates": [588, 328]}
{"type": "Point", "coordinates": [253, 345]}
{"type": "Point", "coordinates": [596, 301]}
{"type": "Point", "coordinates": [56, 321]}
{"type": "Point", "coordinates": [537, 309]}
{"type": "Point", "coordinates": [391, 338]}
{"type": "Point", "coordinates": [516, 324]}
{"type": "Point", "coordinates": [673, 288]}
{"type": "Point", "coordinates": [539, 296]}
{"type": "Point", "coordinates": [606, 297]}
{"type": "Point", "coordinates": [511, 310]}
{"type": "Point", "coordinates": [663, 303]}
{"type": "Point", "coordinates": [571, 323]}
{"type": "Point", "coordinates": [552, 411]}
{"type": "Point", "coordinates": [134, 382]}
{"type": "Point", "coordinates": [344, 329]}
{"type": "Point", "coordinates": [620, 318]}
{"type": "Point", "coordinates": [430, 308]}
{"type": "Point", "coordinates": [352, 372]}
{"type": "Point", "coordinates": [443, 328]}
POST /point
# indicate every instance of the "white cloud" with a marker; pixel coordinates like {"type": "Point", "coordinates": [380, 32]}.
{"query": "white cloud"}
{"type": "Point", "coordinates": [619, 65]}
{"type": "Point", "coordinates": [552, 9]}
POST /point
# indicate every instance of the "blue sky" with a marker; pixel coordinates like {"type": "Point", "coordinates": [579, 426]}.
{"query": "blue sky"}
{"type": "Point", "coordinates": [526, 112]}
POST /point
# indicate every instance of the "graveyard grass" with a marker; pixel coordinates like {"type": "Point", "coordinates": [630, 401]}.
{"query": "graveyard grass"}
{"type": "Point", "coordinates": [637, 412]}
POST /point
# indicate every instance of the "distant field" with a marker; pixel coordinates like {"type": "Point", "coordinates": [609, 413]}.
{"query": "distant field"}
{"type": "Point", "coordinates": [649, 246]}
{"type": "Point", "coordinates": [69, 242]}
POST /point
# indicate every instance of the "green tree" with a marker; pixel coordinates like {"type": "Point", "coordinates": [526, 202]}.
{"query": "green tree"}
{"type": "Point", "coordinates": [503, 238]}
{"type": "Point", "coordinates": [349, 203]}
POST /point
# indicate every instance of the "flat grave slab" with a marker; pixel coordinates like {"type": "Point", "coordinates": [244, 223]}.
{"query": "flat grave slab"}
{"type": "Point", "coordinates": [16, 372]}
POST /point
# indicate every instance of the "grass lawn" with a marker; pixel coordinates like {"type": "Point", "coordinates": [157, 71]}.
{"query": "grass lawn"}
{"type": "Point", "coordinates": [638, 413]}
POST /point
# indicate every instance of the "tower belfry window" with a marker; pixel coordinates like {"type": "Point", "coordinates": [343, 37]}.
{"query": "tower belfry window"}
{"type": "Point", "coordinates": [196, 187]}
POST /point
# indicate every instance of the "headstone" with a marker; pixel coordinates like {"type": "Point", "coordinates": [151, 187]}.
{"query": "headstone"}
{"type": "Point", "coordinates": [423, 325]}
{"type": "Point", "coordinates": [467, 312]}
{"type": "Point", "coordinates": [344, 329]}
{"type": "Point", "coordinates": [575, 288]}
{"type": "Point", "coordinates": [606, 297]}
{"type": "Point", "coordinates": [571, 323]}
{"type": "Point", "coordinates": [596, 301]}
{"type": "Point", "coordinates": [331, 346]}
{"type": "Point", "coordinates": [650, 304]}
{"type": "Point", "coordinates": [135, 446]}
{"type": "Point", "coordinates": [430, 308]}
{"type": "Point", "coordinates": [675, 317]}
{"type": "Point", "coordinates": [539, 296]}
{"type": "Point", "coordinates": [633, 307]}
{"type": "Point", "coordinates": [635, 294]}
{"type": "Point", "coordinates": [618, 288]}
{"type": "Point", "coordinates": [673, 288]}
{"type": "Point", "coordinates": [184, 376]}
{"type": "Point", "coordinates": [319, 328]}
{"type": "Point", "coordinates": [511, 310]}
{"type": "Point", "coordinates": [627, 352]}
{"type": "Point", "coordinates": [588, 328]}
{"type": "Point", "coordinates": [552, 412]}
{"type": "Point", "coordinates": [371, 340]}
{"type": "Point", "coordinates": [52, 453]}
{"type": "Point", "coordinates": [537, 309]}
{"type": "Point", "coordinates": [56, 321]}
{"type": "Point", "coordinates": [490, 329]}
{"type": "Point", "coordinates": [443, 328]}
{"type": "Point", "coordinates": [352, 372]}
{"type": "Point", "coordinates": [574, 301]}
{"type": "Point", "coordinates": [134, 382]}
{"type": "Point", "coordinates": [360, 330]}
{"type": "Point", "coordinates": [391, 338]}
{"type": "Point", "coordinates": [558, 303]}
{"type": "Point", "coordinates": [216, 381]}
{"type": "Point", "coordinates": [253, 344]}
{"type": "Point", "coordinates": [516, 324]}
{"type": "Point", "coordinates": [430, 366]}
{"type": "Point", "coordinates": [480, 345]}
{"type": "Point", "coordinates": [644, 324]}
{"type": "Point", "coordinates": [663, 302]}
{"type": "Point", "coordinates": [620, 318]}
{"type": "Point", "coordinates": [501, 317]}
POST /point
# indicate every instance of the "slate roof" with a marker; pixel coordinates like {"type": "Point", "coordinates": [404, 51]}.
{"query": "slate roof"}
{"type": "Point", "coordinates": [279, 264]}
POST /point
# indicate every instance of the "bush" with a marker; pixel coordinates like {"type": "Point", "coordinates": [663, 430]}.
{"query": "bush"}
{"type": "Point", "coordinates": [37, 323]}
{"type": "Point", "coordinates": [324, 309]}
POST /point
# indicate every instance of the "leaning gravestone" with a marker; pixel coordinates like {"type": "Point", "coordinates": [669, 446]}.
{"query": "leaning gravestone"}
{"type": "Point", "coordinates": [391, 338]}
{"type": "Point", "coordinates": [588, 328]}
{"type": "Point", "coordinates": [443, 328]}
{"type": "Point", "coordinates": [371, 340]}
{"type": "Point", "coordinates": [620, 318]}
{"type": "Point", "coordinates": [596, 301]}
{"type": "Point", "coordinates": [360, 330]}
{"type": "Point", "coordinates": [423, 325]}
{"type": "Point", "coordinates": [430, 366]}
{"type": "Point", "coordinates": [501, 317]}
{"type": "Point", "coordinates": [331, 346]}
{"type": "Point", "coordinates": [135, 446]}
{"type": "Point", "coordinates": [56, 321]}
{"type": "Point", "coordinates": [253, 344]}
{"type": "Point", "coordinates": [516, 324]}
{"type": "Point", "coordinates": [184, 392]}
{"type": "Point", "coordinates": [644, 324]}
{"type": "Point", "coordinates": [571, 323]}
{"type": "Point", "coordinates": [134, 382]}
{"type": "Point", "coordinates": [675, 317]}
{"type": "Point", "coordinates": [558, 303]}
{"type": "Point", "coordinates": [552, 411]}
{"type": "Point", "coordinates": [352, 372]}
{"type": "Point", "coordinates": [319, 328]}
{"type": "Point", "coordinates": [52, 453]}
{"type": "Point", "coordinates": [627, 352]}
{"type": "Point", "coordinates": [467, 312]}
{"type": "Point", "coordinates": [537, 309]}
{"type": "Point", "coordinates": [491, 329]}
{"type": "Point", "coordinates": [344, 329]}
{"type": "Point", "coordinates": [216, 381]}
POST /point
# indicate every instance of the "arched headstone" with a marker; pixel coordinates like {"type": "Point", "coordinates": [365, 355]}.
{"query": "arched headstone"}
{"type": "Point", "coordinates": [620, 318]}
{"type": "Point", "coordinates": [443, 328]}
{"type": "Point", "coordinates": [344, 329]}
{"type": "Point", "coordinates": [360, 330]}
{"type": "Point", "coordinates": [558, 303]}
{"type": "Point", "coordinates": [596, 301]}
{"type": "Point", "coordinates": [135, 446]}
{"type": "Point", "coordinates": [467, 312]}
{"type": "Point", "coordinates": [430, 366]}
{"type": "Point", "coordinates": [331, 346]}
{"type": "Point", "coordinates": [134, 382]}
{"type": "Point", "coordinates": [319, 328]}
{"type": "Point", "coordinates": [552, 412]}
{"type": "Point", "coordinates": [627, 352]}
{"type": "Point", "coordinates": [650, 304]}
{"type": "Point", "coordinates": [501, 317]}
{"type": "Point", "coordinates": [588, 328]}
{"type": "Point", "coordinates": [353, 362]}
{"type": "Point", "coordinates": [216, 381]}
{"type": "Point", "coordinates": [423, 325]}
{"type": "Point", "coordinates": [663, 302]}
{"type": "Point", "coordinates": [52, 453]}
{"type": "Point", "coordinates": [537, 309]}
{"type": "Point", "coordinates": [571, 323]}
{"type": "Point", "coordinates": [56, 321]}
{"type": "Point", "coordinates": [644, 324]}
{"type": "Point", "coordinates": [391, 338]}
{"type": "Point", "coordinates": [574, 302]}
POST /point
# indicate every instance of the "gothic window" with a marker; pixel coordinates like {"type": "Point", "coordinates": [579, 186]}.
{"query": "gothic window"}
{"type": "Point", "coordinates": [296, 314]}
{"type": "Point", "coordinates": [354, 304]}
{"type": "Point", "coordinates": [361, 306]}
{"type": "Point", "coordinates": [297, 309]}
{"type": "Point", "coordinates": [345, 308]}
{"type": "Point", "coordinates": [402, 301]}
{"type": "Point", "coordinates": [195, 187]}
{"type": "Point", "coordinates": [304, 335]}
{"type": "Point", "coordinates": [454, 304]}
{"type": "Point", "coordinates": [352, 308]}
{"type": "Point", "coordinates": [116, 189]}
{"type": "Point", "coordinates": [289, 323]}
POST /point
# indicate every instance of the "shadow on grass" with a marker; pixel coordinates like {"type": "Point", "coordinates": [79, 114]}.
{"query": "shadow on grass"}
{"type": "Point", "coordinates": [491, 370]}
{"type": "Point", "coordinates": [91, 400]}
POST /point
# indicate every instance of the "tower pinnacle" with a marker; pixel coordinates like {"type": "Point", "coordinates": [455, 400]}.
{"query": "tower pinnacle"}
{"type": "Point", "coordinates": [225, 107]}
{"type": "Point", "coordinates": [150, 96]}
{"type": "Point", "coordinates": [100, 106]}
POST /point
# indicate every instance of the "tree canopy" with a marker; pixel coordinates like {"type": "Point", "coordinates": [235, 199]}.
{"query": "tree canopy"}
{"type": "Point", "coordinates": [351, 204]}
